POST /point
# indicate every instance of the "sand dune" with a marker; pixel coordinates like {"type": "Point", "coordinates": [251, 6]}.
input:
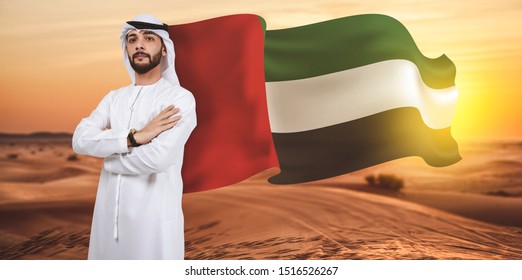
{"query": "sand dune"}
{"type": "Point", "coordinates": [267, 222]}
{"type": "Point", "coordinates": [41, 176]}
{"type": "Point", "coordinates": [46, 230]}
{"type": "Point", "coordinates": [47, 199]}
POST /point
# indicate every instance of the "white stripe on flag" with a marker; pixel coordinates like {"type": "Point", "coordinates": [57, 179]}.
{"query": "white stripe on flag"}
{"type": "Point", "coordinates": [306, 104]}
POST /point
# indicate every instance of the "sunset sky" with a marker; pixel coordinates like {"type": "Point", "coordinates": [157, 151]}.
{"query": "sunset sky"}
{"type": "Point", "coordinates": [60, 57]}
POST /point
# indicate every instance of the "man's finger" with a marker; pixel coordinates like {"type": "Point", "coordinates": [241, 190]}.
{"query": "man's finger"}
{"type": "Point", "coordinates": [169, 116]}
{"type": "Point", "coordinates": [168, 126]}
{"type": "Point", "coordinates": [166, 114]}
{"type": "Point", "coordinates": [170, 112]}
{"type": "Point", "coordinates": [170, 108]}
{"type": "Point", "coordinates": [166, 110]}
{"type": "Point", "coordinates": [170, 120]}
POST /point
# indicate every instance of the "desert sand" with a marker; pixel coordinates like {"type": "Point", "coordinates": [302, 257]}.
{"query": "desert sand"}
{"type": "Point", "coordinates": [470, 210]}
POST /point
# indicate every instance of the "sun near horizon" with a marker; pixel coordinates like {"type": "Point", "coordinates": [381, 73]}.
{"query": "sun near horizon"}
{"type": "Point", "coordinates": [60, 58]}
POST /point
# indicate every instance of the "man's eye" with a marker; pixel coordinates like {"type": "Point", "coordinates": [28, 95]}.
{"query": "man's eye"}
{"type": "Point", "coordinates": [132, 40]}
{"type": "Point", "coordinates": [150, 38]}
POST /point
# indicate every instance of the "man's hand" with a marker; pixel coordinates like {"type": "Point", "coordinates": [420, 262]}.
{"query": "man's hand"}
{"type": "Point", "coordinates": [160, 123]}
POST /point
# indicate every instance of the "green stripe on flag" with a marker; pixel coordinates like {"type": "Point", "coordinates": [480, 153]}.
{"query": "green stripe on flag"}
{"type": "Point", "coordinates": [345, 43]}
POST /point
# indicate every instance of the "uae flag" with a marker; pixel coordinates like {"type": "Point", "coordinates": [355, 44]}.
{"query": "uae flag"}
{"type": "Point", "coordinates": [353, 92]}
{"type": "Point", "coordinates": [340, 95]}
{"type": "Point", "coordinates": [221, 62]}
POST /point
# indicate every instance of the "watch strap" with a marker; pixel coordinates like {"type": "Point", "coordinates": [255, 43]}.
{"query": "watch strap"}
{"type": "Point", "coordinates": [131, 138]}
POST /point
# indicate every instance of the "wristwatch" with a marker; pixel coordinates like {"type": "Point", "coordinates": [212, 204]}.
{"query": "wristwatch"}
{"type": "Point", "coordinates": [131, 138]}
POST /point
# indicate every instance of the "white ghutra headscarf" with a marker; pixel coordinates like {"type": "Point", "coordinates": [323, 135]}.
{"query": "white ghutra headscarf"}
{"type": "Point", "coordinates": [148, 22]}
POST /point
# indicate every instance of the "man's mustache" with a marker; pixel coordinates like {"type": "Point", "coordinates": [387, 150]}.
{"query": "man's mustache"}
{"type": "Point", "coordinates": [140, 53]}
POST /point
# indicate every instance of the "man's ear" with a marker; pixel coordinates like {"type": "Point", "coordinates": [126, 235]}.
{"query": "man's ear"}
{"type": "Point", "coordinates": [163, 50]}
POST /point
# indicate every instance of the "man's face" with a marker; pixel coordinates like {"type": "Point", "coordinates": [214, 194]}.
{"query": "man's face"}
{"type": "Point", "coordinates": [145, 50]}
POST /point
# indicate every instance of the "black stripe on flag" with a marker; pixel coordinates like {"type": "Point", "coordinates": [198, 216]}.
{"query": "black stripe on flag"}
{"type": "Point", "coordinates": [346, 147]}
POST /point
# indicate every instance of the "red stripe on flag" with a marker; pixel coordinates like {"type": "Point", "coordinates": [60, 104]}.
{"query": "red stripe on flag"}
{"type": "Point", "coordinates": [221, 62]}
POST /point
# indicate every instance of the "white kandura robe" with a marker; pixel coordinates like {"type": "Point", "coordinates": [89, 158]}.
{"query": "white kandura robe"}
{"type": "Point", "coordinates": [138, 212]}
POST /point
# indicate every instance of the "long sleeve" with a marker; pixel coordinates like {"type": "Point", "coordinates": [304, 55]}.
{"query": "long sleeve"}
{"type": "Point", "coordinates": [93, 135]}
{"type": "Point", "coordinates": [163, 151]}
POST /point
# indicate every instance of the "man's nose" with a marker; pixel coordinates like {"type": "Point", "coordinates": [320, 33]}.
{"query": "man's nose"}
{"type": "Point", "coordinates": [140, 45]}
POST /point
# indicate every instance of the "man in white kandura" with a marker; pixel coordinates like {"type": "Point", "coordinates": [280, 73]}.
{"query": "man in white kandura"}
{"type": "Point", "coordinates": [140, 130]}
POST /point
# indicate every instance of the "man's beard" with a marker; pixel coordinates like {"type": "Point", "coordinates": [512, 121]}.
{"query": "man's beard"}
{"type": "Point", "coordinates": [144, 68]}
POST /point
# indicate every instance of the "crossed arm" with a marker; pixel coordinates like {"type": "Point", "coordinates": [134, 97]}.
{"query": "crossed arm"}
{"type": "Point", "coordinates": [162, 140]}
{"type": "Point", "coordinates": [167, 119]}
